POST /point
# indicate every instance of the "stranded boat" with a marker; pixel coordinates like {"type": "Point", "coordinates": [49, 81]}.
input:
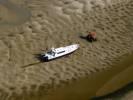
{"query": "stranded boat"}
{"type": "Point", "coordinates": [58, 52]}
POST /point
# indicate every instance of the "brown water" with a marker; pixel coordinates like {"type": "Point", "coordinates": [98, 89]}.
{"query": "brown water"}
{"type": "Point", "coordinates": [114, 41]}
{"type": "Point", "coordinates": [12, 14]}
{"type": "Point", "coordinates": [98, 84]}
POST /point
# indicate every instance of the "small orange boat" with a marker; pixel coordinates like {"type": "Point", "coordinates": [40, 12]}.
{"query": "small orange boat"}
{"type": "Point", "coordinates": [91, 36]}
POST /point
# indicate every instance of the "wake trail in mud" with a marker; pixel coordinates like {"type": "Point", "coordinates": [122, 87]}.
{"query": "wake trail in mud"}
{"type": "Point", "coordinates": [31, 64]}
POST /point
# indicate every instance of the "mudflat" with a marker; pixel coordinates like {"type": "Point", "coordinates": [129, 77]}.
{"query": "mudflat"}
{"type": "Point", "coordinates": [30, 27]}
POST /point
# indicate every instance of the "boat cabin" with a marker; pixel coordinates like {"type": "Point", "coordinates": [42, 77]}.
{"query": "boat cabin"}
{"type": "Point", "coordinates": [55, 51]}
{"type": "Point", "coordinates": [51, 52]}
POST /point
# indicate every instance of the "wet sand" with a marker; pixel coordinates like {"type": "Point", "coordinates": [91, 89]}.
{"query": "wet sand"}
{"type": "Point", "coordinates": [55, 23]}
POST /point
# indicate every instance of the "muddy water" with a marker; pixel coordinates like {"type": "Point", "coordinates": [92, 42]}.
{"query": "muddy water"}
{"type": "Point", "coordinates": [98, 84]}
{"type": "Point", "coordinates": [12, 14]}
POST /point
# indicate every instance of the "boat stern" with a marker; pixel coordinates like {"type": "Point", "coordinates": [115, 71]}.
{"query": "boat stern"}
{"type": "Point", "coordinates": [43, 58]}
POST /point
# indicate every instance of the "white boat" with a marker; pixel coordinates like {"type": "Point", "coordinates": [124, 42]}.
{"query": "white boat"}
{"type": "Point", "coordinates": [59, 52]}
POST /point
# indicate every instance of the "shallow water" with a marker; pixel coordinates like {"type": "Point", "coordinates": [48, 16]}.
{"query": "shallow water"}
{"type": "Point", "coordinates": [12, 14]}
{"type": "Point", "coordinates": [98, 84]}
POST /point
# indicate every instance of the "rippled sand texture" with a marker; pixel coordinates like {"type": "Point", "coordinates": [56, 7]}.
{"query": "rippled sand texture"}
{"type": "Point", "coordinates": [59, 23]}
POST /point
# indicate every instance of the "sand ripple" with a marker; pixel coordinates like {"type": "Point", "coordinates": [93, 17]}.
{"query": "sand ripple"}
{"type": "Point", "coordinates": [58, 23]}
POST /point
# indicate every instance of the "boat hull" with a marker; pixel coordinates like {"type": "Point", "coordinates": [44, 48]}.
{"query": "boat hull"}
{"type": "Point", "coordinates": [45, 58]}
